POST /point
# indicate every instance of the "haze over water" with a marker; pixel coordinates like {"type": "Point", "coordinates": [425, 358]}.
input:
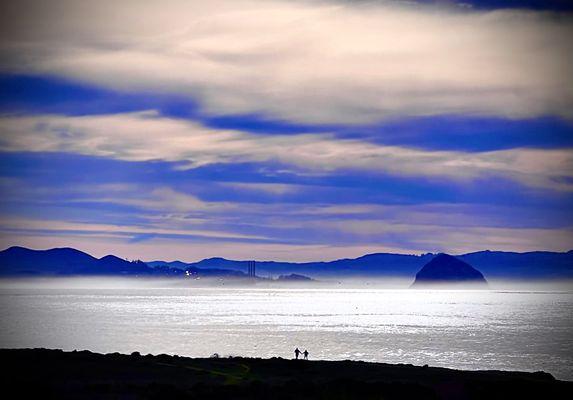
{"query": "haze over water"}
{"type": "Point", "coordinates": [492, 329]}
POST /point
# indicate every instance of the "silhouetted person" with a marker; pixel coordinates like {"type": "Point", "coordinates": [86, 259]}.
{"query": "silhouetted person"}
{"type": "Point", "coordinates": [305, 354]}
{"type": "Point", "coordinates": [296, 353]}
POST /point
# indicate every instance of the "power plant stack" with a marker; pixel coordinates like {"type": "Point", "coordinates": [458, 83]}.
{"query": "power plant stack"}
{"type": "Point", "coordinates": [252, 269]}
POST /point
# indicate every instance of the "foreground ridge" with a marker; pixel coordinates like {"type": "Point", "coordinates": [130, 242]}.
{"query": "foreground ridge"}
{"type": "Point", "coordinates": [83, 374]}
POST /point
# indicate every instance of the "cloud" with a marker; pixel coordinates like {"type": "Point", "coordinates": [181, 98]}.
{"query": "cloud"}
{"type": "Point", "coordinates": [117, 230]}
{"type": "Point", "coordinates": [168, 200]}
{"type": "Point", "coordinates": [186, 250]}
{"type": "Point", "coordinates": [455, 239]}
{"type": "Point", "coordinates": [309, 229]}
{"type": "Point", "coordinates": [311, 62]}
{"type": "Point", "coordinates": [372, 237]}
{"type": "Point", "coordinates": [145, 136]}
{"type": "Point", "coordinates": [277, 189]}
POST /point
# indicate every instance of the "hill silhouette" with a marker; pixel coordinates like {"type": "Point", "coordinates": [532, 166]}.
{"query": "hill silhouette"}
{"type": "Point", "coordinates": [20, 261]}
{"type": "Point", "coordinates": [294, 278]}
{"type": "Point", "coordinates": [66, 261]}
{"type": "Point", "coordinates": [446, 269]}
{"type": "Point", "coordinates": [42, 373]}
{"type": "Point", "coordinates": [494, 264]}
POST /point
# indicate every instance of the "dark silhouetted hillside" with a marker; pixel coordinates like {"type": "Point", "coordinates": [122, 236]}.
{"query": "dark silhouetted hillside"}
{"type": "Point", "coordinates": [61, 261]}
{"type": "Point", "coordinates": [294, 278]}
{"type": "Point", "coordinates": [19, 261]}
{"type": "Point", "coordinates": [171, 264]}
{"type": "Point", "coordinates": [446, 269]}
{"type": "Point", "coordinates": [493, 264]}
{"type": "Point", "coordinates": [54, 374]}
{"type": "Point", "coordinates": [65, 261]}
{"type": "Point", "coordinates": [381, 264]}
{"type": "Point", "coordinates": [531, 265]}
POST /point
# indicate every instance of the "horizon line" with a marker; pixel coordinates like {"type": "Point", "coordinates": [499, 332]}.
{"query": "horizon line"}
{"type": "Point", "coordinates": [421, 254]}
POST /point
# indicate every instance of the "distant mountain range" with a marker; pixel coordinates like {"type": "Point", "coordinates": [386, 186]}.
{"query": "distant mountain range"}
{"type": "Point", "coordinates": [20, 261]}
{"type": "Point", "coordinates": [493, 264]}
{"type": "Point", "coordinates": [65, 261]}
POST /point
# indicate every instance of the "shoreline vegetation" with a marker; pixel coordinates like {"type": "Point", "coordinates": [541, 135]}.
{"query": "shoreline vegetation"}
{"type": "Point", "coordinates": [45, 373]}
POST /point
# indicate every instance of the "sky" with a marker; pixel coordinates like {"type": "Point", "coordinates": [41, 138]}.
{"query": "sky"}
{"type": "Point", "coordinates": [286, 129]}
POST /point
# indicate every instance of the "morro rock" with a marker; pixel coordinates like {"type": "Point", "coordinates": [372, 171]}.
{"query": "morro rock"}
{"type": "Point", "coordinates": [446, 269]}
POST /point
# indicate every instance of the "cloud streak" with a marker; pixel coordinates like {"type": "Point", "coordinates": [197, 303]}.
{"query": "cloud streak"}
{"type": "Point", "coordinates": [146, 136]}
{"type": "Point", "coordinates": [172, 220]}
{"type": "Point", "coordinates": [311, 62]}
{"type": "Point", "coordinates": [287, 129]}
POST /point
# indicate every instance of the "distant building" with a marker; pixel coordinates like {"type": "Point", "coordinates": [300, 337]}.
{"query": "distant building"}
{"type": "Point", "coordinates": [252, 269]}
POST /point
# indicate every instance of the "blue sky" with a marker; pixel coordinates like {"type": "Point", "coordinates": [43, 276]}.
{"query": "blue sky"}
{"type": "Point", "coordinates": [286, 130]}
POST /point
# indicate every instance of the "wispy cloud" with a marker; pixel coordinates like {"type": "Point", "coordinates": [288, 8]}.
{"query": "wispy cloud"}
{"type": "Point", "coordinates": [288, 231]}
{"type": "Point", "coordinates": [343, 143]}
{"type": "Point", "coordinates": [146, 136]}
{"type": "Point", "coordinates": [270, 188]}
{"type": "Point", "coordinates": [308, 61]}
{"type": "Point", "coordinates": [167, 200]}
{"type": "Point", "coordinates": [124, 231]}
{"type": "Point", "coordinates": [370, 237]}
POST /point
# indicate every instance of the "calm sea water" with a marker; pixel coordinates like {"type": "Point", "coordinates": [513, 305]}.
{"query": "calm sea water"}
{"type": "Point", "coordinates": [514, 330]}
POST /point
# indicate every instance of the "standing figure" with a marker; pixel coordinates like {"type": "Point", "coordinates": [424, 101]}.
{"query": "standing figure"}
{"type": "Point", "coordinates": [305, 354]}
{"type": "Point", "coordinates": [296, 353]}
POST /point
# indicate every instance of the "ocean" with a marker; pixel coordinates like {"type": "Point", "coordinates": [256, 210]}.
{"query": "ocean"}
{"type": "Point", "coordinates": [528, 330]}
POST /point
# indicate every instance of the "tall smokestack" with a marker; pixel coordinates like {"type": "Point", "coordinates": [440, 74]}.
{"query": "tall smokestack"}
{"type": "Point", "coordinates": [251, 269]}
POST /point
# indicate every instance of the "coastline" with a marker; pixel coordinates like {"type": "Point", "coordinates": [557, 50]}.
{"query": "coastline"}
{"type": "Point", "coordinates": [83, 374]}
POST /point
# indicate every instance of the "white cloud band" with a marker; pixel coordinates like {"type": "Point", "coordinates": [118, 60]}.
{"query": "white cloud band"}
{"type": "Point", "coordinates": [146, 136]}
{"type": "Point", "coordinates": [315, 62]}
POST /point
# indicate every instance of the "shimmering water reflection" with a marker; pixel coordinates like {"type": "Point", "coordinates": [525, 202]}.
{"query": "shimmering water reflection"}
{"type": "Point", "coordinates": [523, 330]}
